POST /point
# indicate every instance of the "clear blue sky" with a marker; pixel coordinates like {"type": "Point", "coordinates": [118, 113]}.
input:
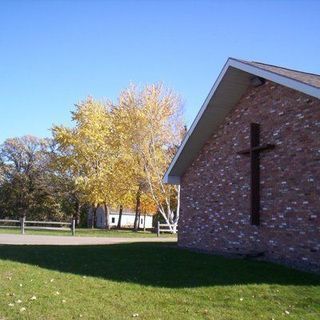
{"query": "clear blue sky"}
{"type": "Point", "coordinates": [55, 53]}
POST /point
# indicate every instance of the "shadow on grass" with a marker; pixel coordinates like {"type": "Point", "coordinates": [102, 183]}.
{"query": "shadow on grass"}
{"type": "Point", "coordinates": [155, 264]}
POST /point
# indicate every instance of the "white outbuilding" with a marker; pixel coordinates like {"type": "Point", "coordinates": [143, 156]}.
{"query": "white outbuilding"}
{"type": "Point", "coordinates": [127, 219]}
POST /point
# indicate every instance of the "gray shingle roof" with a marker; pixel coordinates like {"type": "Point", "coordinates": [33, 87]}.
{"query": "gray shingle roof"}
{"type": "Point", "coordinates": [304, 77]}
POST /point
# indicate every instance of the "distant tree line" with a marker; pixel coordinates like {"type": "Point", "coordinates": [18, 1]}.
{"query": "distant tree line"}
{"type": "Point", "coordinates": [29, 183]}
{"type": "Point", "coordinates": [115, 155]}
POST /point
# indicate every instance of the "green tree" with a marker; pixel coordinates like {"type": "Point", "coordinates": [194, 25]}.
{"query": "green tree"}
{"type": "Point", "coordinates": [26, 187]}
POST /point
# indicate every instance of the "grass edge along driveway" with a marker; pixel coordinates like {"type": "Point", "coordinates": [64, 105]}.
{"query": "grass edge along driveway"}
{"type": "Point", "coordinates": [86, 232]}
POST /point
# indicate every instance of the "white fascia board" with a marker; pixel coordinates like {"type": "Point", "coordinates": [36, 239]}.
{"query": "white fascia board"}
{"type": "Point", "coordinates": [269, 75]}
{"type": "Point", "coordinates": [195, 121]}
{"type": "Point", "coordinates": [171, 179]}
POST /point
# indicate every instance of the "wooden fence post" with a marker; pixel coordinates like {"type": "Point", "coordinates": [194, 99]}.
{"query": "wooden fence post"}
{"type": "Point", "coordinates": [73, 226]}
{"type": "Point", "coordinates": [22, 223]}
{"type": "Point", "coordinates": [158, 229]}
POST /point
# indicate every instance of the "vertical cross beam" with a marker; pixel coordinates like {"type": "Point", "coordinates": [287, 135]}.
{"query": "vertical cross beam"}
{"type": "Point", "coordinates": [255, 173]}
{"type": "Point", "coordinates": [254, 153]}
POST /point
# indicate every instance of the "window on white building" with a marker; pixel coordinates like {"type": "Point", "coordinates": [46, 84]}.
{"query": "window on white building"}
{"type": "Point", "coordinates": [113, 220]}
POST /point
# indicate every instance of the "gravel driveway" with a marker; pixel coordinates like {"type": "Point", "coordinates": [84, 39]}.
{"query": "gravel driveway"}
{"type": "Point", "coordinates": [63, 240]}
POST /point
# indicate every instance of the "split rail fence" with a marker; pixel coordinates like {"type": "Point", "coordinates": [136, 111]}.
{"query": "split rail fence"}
{"type": "Point", "coordinates": [23, 224]}
{"type": "Point", "coordinates": [164, 227]}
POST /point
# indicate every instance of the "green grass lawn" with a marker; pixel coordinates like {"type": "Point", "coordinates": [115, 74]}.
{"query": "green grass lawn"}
{"type": "Point", "coordinates": [83, 232]}
{"type": "Point", "coordinates": [148, 281]}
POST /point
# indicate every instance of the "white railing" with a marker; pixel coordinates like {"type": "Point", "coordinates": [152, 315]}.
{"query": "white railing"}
{"type": "Point", "coordinates": [23, 224]}
{"type": "Point", "coordinates": [164, 227]}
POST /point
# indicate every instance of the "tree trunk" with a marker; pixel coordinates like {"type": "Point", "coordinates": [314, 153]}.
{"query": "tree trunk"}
{"type": "Point", "coordinates": [107, 213]}
{"type": "Point", "coordinates": [24, 213]}
{"type": "Point", "coordinates": [120, 217]}
{"type": "Point", "coordinates": [94, 216]}
{"type": "Point", "coordinates": [144, 222]}
{"type": "Point", "coordinates": [77, 213]}
{"type": "Point", "coordinates": [176, 218]}
{"type": "Point", "coordinates": [139, 219]}
{"type": "Point", "coordinates": [166, 219]}
{"type": "Point", "coordinates": [138, 205]}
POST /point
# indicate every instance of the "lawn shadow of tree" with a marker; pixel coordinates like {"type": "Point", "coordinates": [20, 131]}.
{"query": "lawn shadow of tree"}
{"type": "Point", "coordinates": [154, 264]}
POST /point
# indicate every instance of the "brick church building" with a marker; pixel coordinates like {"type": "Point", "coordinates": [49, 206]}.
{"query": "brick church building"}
{"type": "Point", "coordinates": [249, 167]}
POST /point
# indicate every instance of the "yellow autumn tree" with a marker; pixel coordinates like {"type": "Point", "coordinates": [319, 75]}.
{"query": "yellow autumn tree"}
{"type": "Point", "coordinates": [152, 118]}
{"type": "Point", "coordinates": [92, 147]}
{"type": "Point", "coordinates": [118, 152]}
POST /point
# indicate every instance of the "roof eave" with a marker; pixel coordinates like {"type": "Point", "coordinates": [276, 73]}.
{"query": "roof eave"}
{"type": "Point", "coordinates": [255, 71]}
{"type": "Point", "coordinates": [171, 179]}
{"type": "Point", "coordinates": [194, 123]}
{"type": "Point", "coordinates": [277, 78]}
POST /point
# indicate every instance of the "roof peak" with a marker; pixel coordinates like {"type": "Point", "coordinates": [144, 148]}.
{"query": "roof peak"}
{"type": "Point", "coordinates": [232, 82]}
{"type": "Point", "coordinates": [309, 78]}
{"type": "Point", "coordinates": [276, 66]}
{"type": "Point", "coordinates": [285, 68]}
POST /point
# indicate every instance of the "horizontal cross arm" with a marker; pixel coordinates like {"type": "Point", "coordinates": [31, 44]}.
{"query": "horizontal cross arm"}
{"type": "Point", "coordinates": [263, 147]}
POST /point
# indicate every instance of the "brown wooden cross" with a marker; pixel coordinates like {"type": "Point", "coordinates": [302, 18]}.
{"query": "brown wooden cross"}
{"type": "Point", "coordinates": [254, 152]}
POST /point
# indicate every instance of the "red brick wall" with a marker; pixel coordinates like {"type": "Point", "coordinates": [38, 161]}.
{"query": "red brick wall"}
{"type": "Point", "coordinates": [215, 189]}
